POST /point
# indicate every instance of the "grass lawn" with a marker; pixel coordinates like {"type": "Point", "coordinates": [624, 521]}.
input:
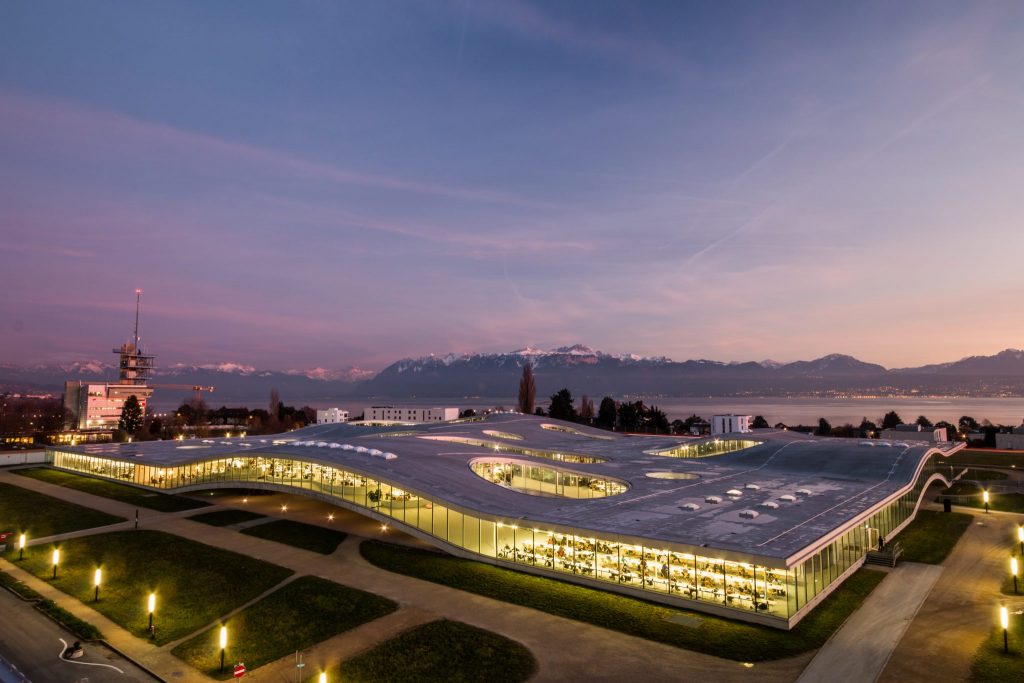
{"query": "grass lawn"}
{"type": "Point", "coordinates": [931, 536]}
{"type": "Point", "coordinates": [990, 664]}
{"type": "Point", "coordinates": [1005, 502]}
{"type": "Point", "coordinates": [226, 517]}
{"type": "Point", "coordinates": [39, 515]}
{"type": "Point", "coordinates": [968, 457]}
{"type": "Point", "coordinates": [715, 636]}
{"type": "Point", "coordinates": [307, 536]}
{"type": "Point", "coordinates": [194, 583]}
{"type": "Point", "coordinates": [111, 489]}
{"type": "Point", "coordinates": [973, 474]}
{"type": "Point", "coordinates": [446, 651]}
{"type": "Point", "coordinates": [298, 615]}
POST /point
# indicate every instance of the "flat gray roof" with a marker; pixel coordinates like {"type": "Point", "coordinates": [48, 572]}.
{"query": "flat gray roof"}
{"type": "Point", "coordinates": [838, 479]}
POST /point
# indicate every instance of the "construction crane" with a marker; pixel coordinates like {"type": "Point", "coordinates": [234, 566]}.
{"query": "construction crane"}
{"type": "Point", "coordinates": [195, 388]}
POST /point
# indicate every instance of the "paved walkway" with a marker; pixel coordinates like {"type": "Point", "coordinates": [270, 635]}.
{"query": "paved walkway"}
{"type": "Point", "coordinates": [859, 650]}
{"type": "Point", "coordinates": [566, 650]}
{"type": "Point", "coordinates": [961, 610]}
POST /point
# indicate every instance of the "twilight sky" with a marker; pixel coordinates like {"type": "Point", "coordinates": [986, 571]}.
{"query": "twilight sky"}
{"type": "Point", "coordinates": [299, 184]}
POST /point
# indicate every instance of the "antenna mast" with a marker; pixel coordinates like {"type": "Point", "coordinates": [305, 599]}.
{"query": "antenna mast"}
{"type": "Point", "coordinates": [138, 296]}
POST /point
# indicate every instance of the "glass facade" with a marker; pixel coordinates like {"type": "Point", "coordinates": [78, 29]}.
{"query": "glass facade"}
{"type": "Point", "coordinates": [538, 480]}
{"type": "Point", "coordinates": [662, 570]}
{"type": "Point", "coordinates": [705, 449]}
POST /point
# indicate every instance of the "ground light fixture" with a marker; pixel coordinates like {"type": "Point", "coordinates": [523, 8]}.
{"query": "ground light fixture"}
{"type": "Point", "coordinates": [97, 577]}
{"type": "Point", "coordinates": [223, 645]}
{"type": "Point", "coordinates": [151, 607]}
{"type": "Point", "coordinates": [984, 497]}
{"type": "Point", "coordinates": [323, 677]}
{"type": "Point", "coordinates": [1013, 570]}
{"type": "Point", "coordinates": [1004, 621]}
{"type": "Point", "coordinates": [56, 561]}
{"type": "Point", "coordinates": [21, 547]}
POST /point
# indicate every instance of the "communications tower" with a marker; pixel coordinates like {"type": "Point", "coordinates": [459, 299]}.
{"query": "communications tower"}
{"type": "Point", "coordinates": [135, 367]}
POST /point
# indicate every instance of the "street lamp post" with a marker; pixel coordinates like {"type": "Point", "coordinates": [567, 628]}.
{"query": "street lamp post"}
{"type": "Point", "coordinates": [984, 495]}
{"type": "Point", "coordinates": [1004, 620]}
{"type": "Point", "coordinates": [151, 605]}
{"type": "Point", "coordinates": [96, 581]}
{"type": "Point", "coordinates": [21, 547]}
{"type": "Point", "coordinates": [56, 561]}
{"type": "Point", "coordinates": [223, 645]}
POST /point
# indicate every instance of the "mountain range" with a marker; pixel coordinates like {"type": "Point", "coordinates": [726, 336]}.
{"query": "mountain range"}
{"type": "Point", "coordinates": [579, 367]}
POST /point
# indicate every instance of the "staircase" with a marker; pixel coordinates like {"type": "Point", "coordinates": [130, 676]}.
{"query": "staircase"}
{"type": "Point", "coordinates": [886, 557]}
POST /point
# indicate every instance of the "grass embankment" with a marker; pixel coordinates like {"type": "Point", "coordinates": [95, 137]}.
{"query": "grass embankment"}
{"type": "Point", "coordinates": [444, 651]}
{"type": "Point", "coordinates": [299, 535]}
{"type": "Point", "coordinates": [152, 500]}
{"type": "Point", "coordinates": [298, 615]}
{"type": "Point", "coordinates": [39, 515]}
{"type": "Point", "coordinates": [226, 517]}
{"type": "Point", "coordinates": [194, 583]}
{"type": "Point", "coordinates": [80, 628]}
{"type": "Point", "coordinates": [991, 664]}
{"type": "Point", "coordinates": [930, 538]}
{"type": "Point", "coordinates": [715, 636]}
{"type": "Point", "coordinates": [969, 494]}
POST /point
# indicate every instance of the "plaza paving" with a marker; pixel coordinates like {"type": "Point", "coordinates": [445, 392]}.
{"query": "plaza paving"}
{"type": "Point", "coordinates": [943, 632]}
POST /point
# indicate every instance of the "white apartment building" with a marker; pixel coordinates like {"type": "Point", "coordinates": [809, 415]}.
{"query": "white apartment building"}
{"type": "Point", "coordinates": [731, 424]}
{"type": "Point", "coordinates": [400, 414]}
{"type": "Point", "coordinates": [331, 416]}
{"type": "Point", "coordinates": [97, 405]}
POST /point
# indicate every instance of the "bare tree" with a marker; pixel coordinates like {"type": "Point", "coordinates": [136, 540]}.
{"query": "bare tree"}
{"type": "Point", "coordinates": [586, 409]}
{"type": "Point", "coordinates": [527, 391]}
{"type": "Point", "coordinates": [275, 406]}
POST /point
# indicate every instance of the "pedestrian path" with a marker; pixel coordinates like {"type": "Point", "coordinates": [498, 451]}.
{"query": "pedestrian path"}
{"type": "Point", "coordinates": [860, 649]}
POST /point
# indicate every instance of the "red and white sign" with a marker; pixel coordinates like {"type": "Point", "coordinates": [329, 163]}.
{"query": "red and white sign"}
{"type": "Point", "coordinates": [239, 670]}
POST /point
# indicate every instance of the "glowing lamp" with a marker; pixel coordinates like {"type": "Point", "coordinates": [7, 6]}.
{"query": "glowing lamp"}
{"type": "Point", "coordinates": [97, 577]}
{"type": "Point", "coordinates": [151, 604]}
{"type": "Point", "coordinates": [223, 637]}
{"type": "Point", "coordinates": [323, 677]}
{"type": "Point", "coordinates": [1004, 618]}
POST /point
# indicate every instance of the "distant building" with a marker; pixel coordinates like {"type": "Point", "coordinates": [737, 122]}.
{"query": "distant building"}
{"type": "Point", "coordinates": [331, 416]}
{"type": "Point", "coordinates": [915, 432]}
{"type": "Point", "coordinates": [96, 406]}
{"type": "Point", "coordinates": [398, 414]}
{"type": "Point", "coordinates": [731, 424]}
{"type": "Point", "coordinates": [1013, 441]}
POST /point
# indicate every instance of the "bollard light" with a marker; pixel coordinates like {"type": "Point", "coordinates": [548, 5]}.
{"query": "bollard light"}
{"type": "Point", "coordinates": [1004, 620]}
{"type": "Point", "coordinates": [56, 561]}
{"type": "Point", "coordinates": [984, 497]}
{"type": "Point", "coordinates": [223, 645]}
{"type": "Point", "coordinates": [151, 607]}
{"type": "Point", "coordinates": [323, 677]}
{"type": "Point", "coordinates": [97, 577]}
{"type": "Point", "coordinates": [21, 547]}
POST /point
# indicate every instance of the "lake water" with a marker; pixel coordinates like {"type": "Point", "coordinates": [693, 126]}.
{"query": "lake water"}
{"type": "Point", "coordinates": [1007, 411]}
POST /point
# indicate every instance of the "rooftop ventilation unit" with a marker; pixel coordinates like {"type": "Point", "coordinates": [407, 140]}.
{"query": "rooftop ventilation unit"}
{"type": "Point", "coordinates": [712, 499]}
{"type": "Point", "coordinates": [770, 504]}
{"type": "Point", "coordinates": [749, 514]}
{"type": "Point", "coordinates": [734, 492]}
{"type": "Point", "coordinates": [690, 506]}
{"type": "Point", "coordinates": [869, 444]}
{"type": "Point", "coordinates": [788, 498]}
{"type": "Point", "coordinates": [803, 492]}
{"type": "Point", "coordinates": [752, 487]}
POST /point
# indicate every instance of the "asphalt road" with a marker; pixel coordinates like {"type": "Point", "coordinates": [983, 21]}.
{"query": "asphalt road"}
{"type": "Point", "coordinates": [32, 642]}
